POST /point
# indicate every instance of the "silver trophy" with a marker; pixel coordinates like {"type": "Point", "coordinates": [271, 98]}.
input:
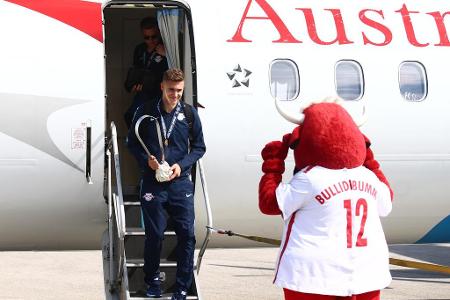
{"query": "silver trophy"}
{"type": "Point", "coordinates": [163, 172]}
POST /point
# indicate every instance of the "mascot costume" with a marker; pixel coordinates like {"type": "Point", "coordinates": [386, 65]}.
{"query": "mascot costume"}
{"type": "Point", "coordinates": [333, 245]}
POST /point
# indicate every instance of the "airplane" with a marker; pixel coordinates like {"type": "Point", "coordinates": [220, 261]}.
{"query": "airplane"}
{"type": "Point", "coordinates": [62, 85]}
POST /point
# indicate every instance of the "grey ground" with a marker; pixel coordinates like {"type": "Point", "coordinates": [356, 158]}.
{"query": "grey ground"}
{"type": "Point", "coordinates": [226, 274]}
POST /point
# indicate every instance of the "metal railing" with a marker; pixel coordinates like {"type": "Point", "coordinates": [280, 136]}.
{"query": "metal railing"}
{"type": "Point", "coordinates": [209, 220]}
{"type": "Point", "coordinates": [115, 201]}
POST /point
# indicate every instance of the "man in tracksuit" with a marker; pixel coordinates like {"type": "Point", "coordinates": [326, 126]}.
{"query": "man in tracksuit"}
{"type": "Point", "coordinates": [150, 58]}
{"type": "Point", "coordinates": [176, 195]}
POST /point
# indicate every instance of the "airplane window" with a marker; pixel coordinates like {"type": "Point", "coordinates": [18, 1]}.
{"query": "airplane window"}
{"type": "Point", "coordinates": [412, 78]}
{"type": "Point", "coordinates": [349, 80]}
{"type": "Point", "coordinates": [284, 79]}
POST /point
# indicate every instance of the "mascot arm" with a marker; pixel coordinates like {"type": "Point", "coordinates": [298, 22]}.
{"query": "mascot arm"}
{"type": "Point", "coordinates": [273, 154]}
{"type": "Point", "coordinates": [373, 165]}
{"type": "Point", "coordinates": [267, 198]}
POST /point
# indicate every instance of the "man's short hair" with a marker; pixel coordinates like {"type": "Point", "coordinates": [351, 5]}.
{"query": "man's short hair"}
{"type": "Point", "coordinates": [149, 23]}
{"type": "Point", "coordinates": [173, 74]}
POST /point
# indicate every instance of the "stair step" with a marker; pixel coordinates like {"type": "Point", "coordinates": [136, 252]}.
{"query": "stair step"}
{"type": "Point", "coordinates": [132, 203]}
{"type": "Point", "coordinates": [135, 239]}
{"type": "Point", "coordinates": [133, 215]}
{"type": "Point", "coordinates": [130, 190]}
{"type": "Point", "coordinates": [134, 231]}
{"type": "Point", "coordinates": [141, 231]}
{"type": "Point", "coordinates": [137, 285]}
{"type": "Point", "coordinates": [139, 263]}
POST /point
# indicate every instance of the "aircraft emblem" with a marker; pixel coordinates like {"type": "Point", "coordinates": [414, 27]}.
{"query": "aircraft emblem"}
{"type": "Point", "coordinates": [239, 77]}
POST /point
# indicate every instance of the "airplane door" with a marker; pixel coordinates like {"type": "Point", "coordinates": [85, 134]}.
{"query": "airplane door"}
{"type": "Point", "coordinates": [122, 36]}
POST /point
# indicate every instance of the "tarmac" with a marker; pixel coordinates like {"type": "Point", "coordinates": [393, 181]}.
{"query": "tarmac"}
{"type": "Point", "coordinates": [225, 274]}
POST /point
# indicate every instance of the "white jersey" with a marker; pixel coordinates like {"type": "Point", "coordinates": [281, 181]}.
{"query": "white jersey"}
{"type": "Point", "coordinates": [333, 242]}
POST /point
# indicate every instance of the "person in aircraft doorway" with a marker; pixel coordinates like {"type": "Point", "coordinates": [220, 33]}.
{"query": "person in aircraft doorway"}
{"type": "Point", "coordinates": [182, 147]}
{"type": "Point", "coordinates": [149, 64]}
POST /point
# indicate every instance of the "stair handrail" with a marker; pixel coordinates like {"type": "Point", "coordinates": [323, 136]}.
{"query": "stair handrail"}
{"type": "Point", "coordinates": [110, 215]}
{"type": "Point", "coordinates": [116, 199]}
{"type": "Point", "coordinates": [119, 193]}
{"type": "Point", "coordinates": [209, 219]}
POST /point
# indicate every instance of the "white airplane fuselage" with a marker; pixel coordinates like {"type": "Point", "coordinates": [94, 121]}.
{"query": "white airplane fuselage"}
{"type": "Point", "coordinates": [53, 86]}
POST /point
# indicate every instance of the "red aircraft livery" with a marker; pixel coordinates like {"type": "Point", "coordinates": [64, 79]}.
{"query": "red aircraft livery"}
{"type": "Point", "coordinates": [369, 17]}
{"type": "Point", "coordinates": [84, 16]}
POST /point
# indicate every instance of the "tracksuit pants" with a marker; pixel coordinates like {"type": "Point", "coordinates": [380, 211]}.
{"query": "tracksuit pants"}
{"type": "Point", "coordinates": [177, 198]}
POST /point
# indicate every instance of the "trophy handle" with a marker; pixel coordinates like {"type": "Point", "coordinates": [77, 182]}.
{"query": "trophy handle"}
{"type": "Point", "coordinates": [136, 131]}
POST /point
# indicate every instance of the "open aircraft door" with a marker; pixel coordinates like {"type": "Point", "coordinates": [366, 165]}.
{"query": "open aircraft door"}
{"type": "Point", "coordinates": [122, 34]}
{"type": "Point", "coordinates": [124, 245]}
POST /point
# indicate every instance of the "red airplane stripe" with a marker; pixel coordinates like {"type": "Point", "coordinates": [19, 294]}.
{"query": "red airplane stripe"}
{"type": "Point", "coordinates": [84, 16]}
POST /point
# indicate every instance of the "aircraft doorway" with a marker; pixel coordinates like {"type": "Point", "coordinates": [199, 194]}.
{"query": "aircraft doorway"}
{"type": "Point", "coordinates": [168, 25]}
{"type": "Point", "coordinates": [122, 33]}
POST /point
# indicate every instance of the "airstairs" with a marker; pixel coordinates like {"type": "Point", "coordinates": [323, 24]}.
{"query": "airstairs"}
{"type": "Point", "coordinates": [123, 242]}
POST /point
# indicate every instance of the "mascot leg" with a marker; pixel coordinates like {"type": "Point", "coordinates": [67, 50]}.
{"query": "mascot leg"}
{"type": "Point", "coordinates": [374, 295]}
{"type": "Point", "coordinates": [294, 295]}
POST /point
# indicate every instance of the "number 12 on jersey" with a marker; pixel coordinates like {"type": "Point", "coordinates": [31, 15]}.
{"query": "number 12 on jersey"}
{"type": "Point", "coordinates": [360, 205]}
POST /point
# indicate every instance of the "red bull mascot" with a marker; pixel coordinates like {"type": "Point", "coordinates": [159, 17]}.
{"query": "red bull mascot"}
{"type": "Point", "coordinates": [333, 244]}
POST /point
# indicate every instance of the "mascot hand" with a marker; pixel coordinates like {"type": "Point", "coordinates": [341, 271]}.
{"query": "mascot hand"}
{"type": "Point", "coordinates": [275, 149]}
{"type": "Point", "coordinates": [273, 154]}
{"type": "Point", "coordinates": [373, 165]}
